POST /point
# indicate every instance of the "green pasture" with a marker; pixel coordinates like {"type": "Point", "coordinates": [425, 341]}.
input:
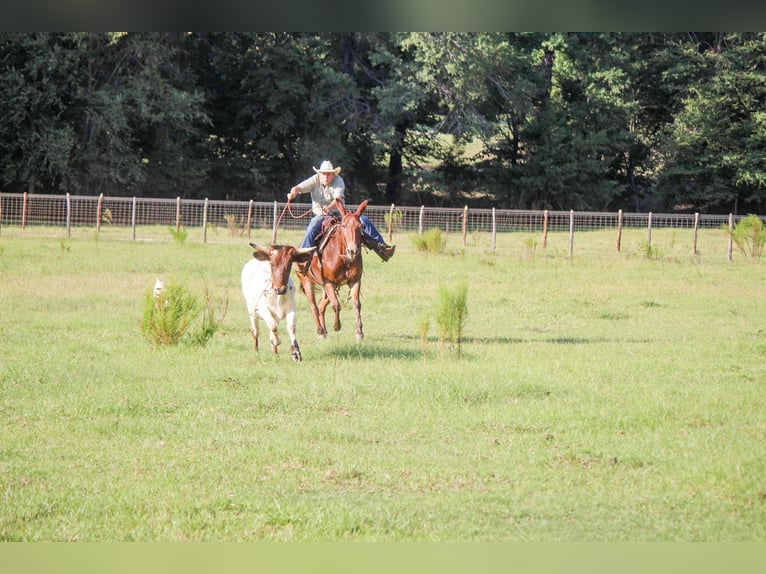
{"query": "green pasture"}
{"type": "Point", "coordinates": [606, 397]}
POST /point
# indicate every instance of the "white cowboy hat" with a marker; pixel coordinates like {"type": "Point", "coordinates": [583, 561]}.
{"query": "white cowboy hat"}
{"type": "Point", "coordinates": [327, 167]}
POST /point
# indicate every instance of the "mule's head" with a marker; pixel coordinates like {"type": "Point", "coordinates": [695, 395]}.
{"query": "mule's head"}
{"type": "Point", "coordinates": [351, 228]}
{"type": "Point", "coordinates": [281, 258]}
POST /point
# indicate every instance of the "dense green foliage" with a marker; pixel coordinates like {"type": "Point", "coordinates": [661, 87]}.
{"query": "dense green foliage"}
{"type": "Point", "coordinates": [587, 121]}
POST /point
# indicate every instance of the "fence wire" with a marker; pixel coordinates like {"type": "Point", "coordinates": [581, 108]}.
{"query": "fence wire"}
{"type": "Point", "coordinates": [89, 211]}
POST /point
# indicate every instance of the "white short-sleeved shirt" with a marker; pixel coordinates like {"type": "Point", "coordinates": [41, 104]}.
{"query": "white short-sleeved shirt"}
{"type": "Point", "coordinates": [322, 196]}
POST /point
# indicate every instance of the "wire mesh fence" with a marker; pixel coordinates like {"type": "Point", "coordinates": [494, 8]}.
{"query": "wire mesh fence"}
{"type": "Point", "coordinates": [135, 217]}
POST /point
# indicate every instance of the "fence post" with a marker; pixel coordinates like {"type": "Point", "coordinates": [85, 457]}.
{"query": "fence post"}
{"type": "Point", "coordinates": [204, 222]}
{"type": "Point", "coordinates": [494, 230]}
{"type": "Point", "coordinates": [619, 230]}
{"type": "Point", "coordinates": [99, 205]}
{"type": "Point", "coordinates": [1, 211]}
{"type": "Point", "coordinates": [649, 230]}
{"type": "Point", "coordinates": [68, 215]}
{"type": "Point", "coordinates": [249, 217]}
{"type": "Point", "coordinates": [465, 223]}
{"type": "Point", "coordinates": [731, 244]}
{"type": "Point", "coordinates": [571, 232]}
{"type": "Point", "coordinates": [391, 223]}
{"type": "Point", "coordinates": [24, 211]}
{"type": "Point", "coordinates": [545, 229]}
{"type": "Point", "coordinates": [696, 228]}
{"type": "Point", "coordinates": [275, 219]}
{"type": "Point", "coordinates": [133, 218]}
{"type": "Point", "coordinates": [178, 214]}
{"type": "Point", "coordinates": [420, 220]}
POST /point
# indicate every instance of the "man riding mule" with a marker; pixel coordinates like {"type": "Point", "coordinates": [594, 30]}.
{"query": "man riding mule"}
{"type": "Point", "coordinates": [327, 191]}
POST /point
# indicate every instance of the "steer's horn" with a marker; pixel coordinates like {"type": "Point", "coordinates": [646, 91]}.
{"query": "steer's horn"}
{"type": "Point", "coordinates": [302, 250]}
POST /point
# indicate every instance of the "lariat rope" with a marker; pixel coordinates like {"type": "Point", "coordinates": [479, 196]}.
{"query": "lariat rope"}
{"type": "Point", "coordinates": [281, 215]}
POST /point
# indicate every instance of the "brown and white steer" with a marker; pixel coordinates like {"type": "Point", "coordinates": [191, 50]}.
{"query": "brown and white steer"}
{"type": "Point", "coordinates": [270, 293]}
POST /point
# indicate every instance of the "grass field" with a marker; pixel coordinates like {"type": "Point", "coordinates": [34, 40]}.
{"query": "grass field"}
{"type": "Point", "coordinates": [606, 397]}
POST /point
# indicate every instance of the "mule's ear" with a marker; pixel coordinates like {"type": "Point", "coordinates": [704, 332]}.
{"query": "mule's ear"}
{"type": "Point", "coordinates": [341, 208]}
{"type": "Point", "coordinates": [362, 207]}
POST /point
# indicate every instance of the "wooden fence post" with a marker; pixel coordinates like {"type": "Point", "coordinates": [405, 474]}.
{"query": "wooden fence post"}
{"type": "Point", "coordinates": [204, 222]}
{"type": "Point", "coordinates": [275, 219]}
{"type": "Point", "coordinates": [494, 230]}
{"type": "Point", "coordinates": [571, 232]}
{"type": "Point", "coordinates": [465, 223]}
{"type": "Point", "coordinates": [24, 211]}
{"type": "Point", "coordinates": [729, 251]}
{"type": "Point", "coordinates": [545, 229]}
{"type": "Point", "coordinates": [178, 214]}
{"type": "Point", "coordinates": [133, 218]}
{"type": "Point", "coordinates": [1, 211]}
{"type": "Point", "coordinates": [68, 215]}
{"type": "Point", "coordinates": [696, 228]}
{"type": "Point", "coordinates": [420, 220]}
{"type": "Point", "coordinates": [99, 205]}
{"type": "Point", "coordinates": [619, 230]}
{"type": "Point", "coordinates": [649, 230]}
{"type": "Point", "coordinates": [391, 223]}
{"type": "Point", "coordinates": [249, 217]}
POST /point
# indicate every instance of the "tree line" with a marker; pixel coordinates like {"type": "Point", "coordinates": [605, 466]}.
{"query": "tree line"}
{"type": "Point", "coordinates": [584, 121]}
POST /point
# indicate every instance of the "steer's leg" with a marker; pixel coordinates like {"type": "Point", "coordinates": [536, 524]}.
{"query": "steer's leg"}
{"type": "Point", "coordinates": [254, 328]}
{"type": "Point", "coordinates": [273, 335]}
{"type": "Point", "coordinates": [295, 350]}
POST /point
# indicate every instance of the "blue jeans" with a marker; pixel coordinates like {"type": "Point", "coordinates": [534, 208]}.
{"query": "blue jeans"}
{"type": "Point", "coordinates": [315, 227]}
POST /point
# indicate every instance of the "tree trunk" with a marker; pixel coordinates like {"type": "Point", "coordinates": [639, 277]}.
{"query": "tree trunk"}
{"type": "Point", "coordinates": [394, 183]}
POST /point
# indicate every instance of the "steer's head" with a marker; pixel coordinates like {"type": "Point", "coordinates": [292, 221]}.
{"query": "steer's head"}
{"type": "Point", "coordinates": [281, 258]}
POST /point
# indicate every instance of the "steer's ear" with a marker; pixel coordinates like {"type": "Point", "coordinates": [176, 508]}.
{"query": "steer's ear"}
{"type": "Point", "coordinates": [260, 253]}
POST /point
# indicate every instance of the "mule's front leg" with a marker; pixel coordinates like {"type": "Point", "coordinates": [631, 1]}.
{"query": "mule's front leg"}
{"type": "Point", "coordinates": [331, 297]}
{"type": "Point", "coordinates": [356, 298]}
{"type": "Point", "coordinates": [308, 290]}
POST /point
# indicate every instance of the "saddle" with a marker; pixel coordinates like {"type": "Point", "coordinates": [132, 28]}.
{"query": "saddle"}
{"type": "Point", "coordinates": [329, 225]}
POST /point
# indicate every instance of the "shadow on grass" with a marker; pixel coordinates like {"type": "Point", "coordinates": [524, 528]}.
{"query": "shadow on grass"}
{"type": "Point", "coordinates": [372, 351]}
{"type": "Point", "coordinates": [366, 350]}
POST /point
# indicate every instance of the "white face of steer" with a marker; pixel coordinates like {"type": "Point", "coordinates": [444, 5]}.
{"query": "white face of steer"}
{"type": "Point", "coordinates": [281, 258]}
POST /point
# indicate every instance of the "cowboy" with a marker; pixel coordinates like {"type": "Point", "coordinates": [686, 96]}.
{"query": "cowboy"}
{"type": "Point", "coordinates": [326, 188]}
